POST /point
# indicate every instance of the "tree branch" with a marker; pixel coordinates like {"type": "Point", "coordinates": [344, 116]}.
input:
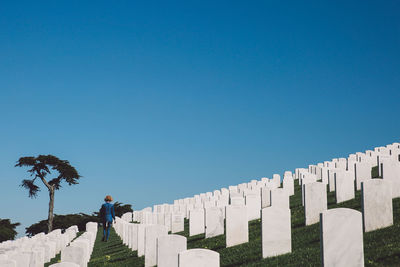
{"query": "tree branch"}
{"type": "Point", "coordinates": [43, 180]}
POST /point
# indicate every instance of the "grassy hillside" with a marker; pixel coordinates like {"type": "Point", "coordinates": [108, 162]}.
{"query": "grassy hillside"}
{"type": "Point", "coordinates": [381, 247]}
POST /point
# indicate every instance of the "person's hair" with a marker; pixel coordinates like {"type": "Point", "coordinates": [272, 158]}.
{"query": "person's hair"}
{"type": "Point", "coordinates": [108, 198]}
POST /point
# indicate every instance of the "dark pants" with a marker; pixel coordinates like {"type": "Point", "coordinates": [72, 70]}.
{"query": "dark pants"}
{"type": "Point", "coordinates": [106, 229]}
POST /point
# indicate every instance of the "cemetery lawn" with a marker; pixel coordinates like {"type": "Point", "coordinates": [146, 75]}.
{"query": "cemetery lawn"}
{"type": "Point", "coordinates": [381, 247]}
{"type": "Point", "coordinates": [113, 252]}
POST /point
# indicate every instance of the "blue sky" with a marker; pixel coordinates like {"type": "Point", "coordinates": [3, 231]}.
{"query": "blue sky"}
{"type": "Point", "coordinates": [154, 101]}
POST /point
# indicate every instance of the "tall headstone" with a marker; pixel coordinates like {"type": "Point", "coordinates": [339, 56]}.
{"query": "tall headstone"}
{"type": "Point", "coordinates": [276, 231]}
{"type": "Point", "coordinates": [265, 197]}
{"type": "Point", "coordinates": [391, 172]}
{"type": "Point", "coordinates": [196, 222]}
{"type": "Point", "coordinates": [214, 222]}
{"type": "Point", "coordinates": [288, 185]}
{"type": "Point", "coordinates": [134, 236]}
{"type": "Point", "coordinates": [280, 198]}
{"type": "Point", "coordinates": [362, 172]}
{"type": "Point", "coordinates": [341, 237]}
{"type": "Point", "coordinates": [253, 204]}
{"type": "Point", "coordinates": [150, 252]}
{"type": "Point", "coordinates": [315, 201]}
{"type": "Point", "coordinates": [177, 223]}
{"type": "Point", "coordinates": [168, 248]}
{"type": "Point", "coordinates": [199, 257]}
{"type": "Point", "coordinates": [377, 204]}
{"type": "Point", "coordinates": [237, 226]}
{"type": "Point", "coordinates": [141, 239]}
{"type": "Point", "coordinates": [344, 185]}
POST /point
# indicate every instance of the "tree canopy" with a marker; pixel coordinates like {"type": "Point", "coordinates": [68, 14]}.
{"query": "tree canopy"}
{"type": "Point", "coordinates": [41, 166]}
{"type": "Point", "coordinates": [7, 230]}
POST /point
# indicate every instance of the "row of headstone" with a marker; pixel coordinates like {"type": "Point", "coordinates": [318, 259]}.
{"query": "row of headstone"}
{"type": "Point", "coordinates": [236, 205]}
{"type": "Point", "coordinates": [79, 250]}
{"type": "Point", "coordinates": [342, 229]}
{"type": "Point", "coordinates": [162, 249]}
{"type": "Point", "coordinates": [37, 250]}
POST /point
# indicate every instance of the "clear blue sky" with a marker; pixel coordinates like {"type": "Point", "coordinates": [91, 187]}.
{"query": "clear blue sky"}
{"type": "Point", "coordinates": [154, 101]}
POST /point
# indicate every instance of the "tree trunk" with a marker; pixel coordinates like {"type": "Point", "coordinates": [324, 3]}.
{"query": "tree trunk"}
{"type": "Point", "coordinates": [51, 208]}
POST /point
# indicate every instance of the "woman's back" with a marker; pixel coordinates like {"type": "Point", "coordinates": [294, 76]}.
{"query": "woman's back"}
{"type": "Point", "coordinates": [107, 211]}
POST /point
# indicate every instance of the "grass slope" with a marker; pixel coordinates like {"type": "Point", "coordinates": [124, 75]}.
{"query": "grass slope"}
{"type": "Point", "coordinates": [381, 247]}
{"type": "Point", "coordinates": [113, 252]}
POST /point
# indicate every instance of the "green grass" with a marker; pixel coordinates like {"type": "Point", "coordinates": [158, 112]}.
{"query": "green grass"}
{"type": "Point", "coordinates": [113, 252]}
{"type": "Point", "coordinates": [381, 247]}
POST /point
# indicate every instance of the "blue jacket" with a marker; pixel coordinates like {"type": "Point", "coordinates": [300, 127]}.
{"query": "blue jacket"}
{"type": "Point", "coordinates": [107, 212]}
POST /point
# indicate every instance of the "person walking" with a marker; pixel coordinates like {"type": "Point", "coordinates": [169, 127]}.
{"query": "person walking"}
{"type": "Point", "coordinates": [107, 215]}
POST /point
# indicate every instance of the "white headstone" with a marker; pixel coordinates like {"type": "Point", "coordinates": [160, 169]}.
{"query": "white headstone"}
{"type": "Point", "coordinates": [280, 198]}
{"type": "Point", "coordinates": [362, 173]}
{"type": "Point", "coordinates": [276, 231]}
{"type": "Point", "coordinates": [141, 239]}
{"type": "Point", "coordinates": [315, 201]}
{"type": "Point", "coordinates": [168, 248]}
{"type": "Point", "coordinates": [344, 184]}
{"type": "Point", "coordinates": [237, 226]}
{"type": "Point", "coordinates": [74, 254]}
{"type": "Point", "coordinates": [8, 263]}
{"type": "Point", "coordinates": [265, 197]}
{"type": "Point", "coordinates": [214, 219]}
{"type": "Point", "coordinates": [377, 204]}
{"type": "Point", "coordinates": [134, 236]}
{"type": "Point", "coordinates": [341, 238]}
{"type": "Point", "coordinates": [288, 185]}
{"type": "Point", "coordinates": [150, 250]}
{"type": "Point", "coordinates": [199, 257]}
{"type": "Point", "coordinates": [177, 223]}
{"type": "Point", "coordinates": [391, 172]}
{"type": "Point", "coordinates": [237, 201]}
{"type": "Point", "coordinates": [196, 222]}
{"type": "Point", "coordinates": [253, 204]}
